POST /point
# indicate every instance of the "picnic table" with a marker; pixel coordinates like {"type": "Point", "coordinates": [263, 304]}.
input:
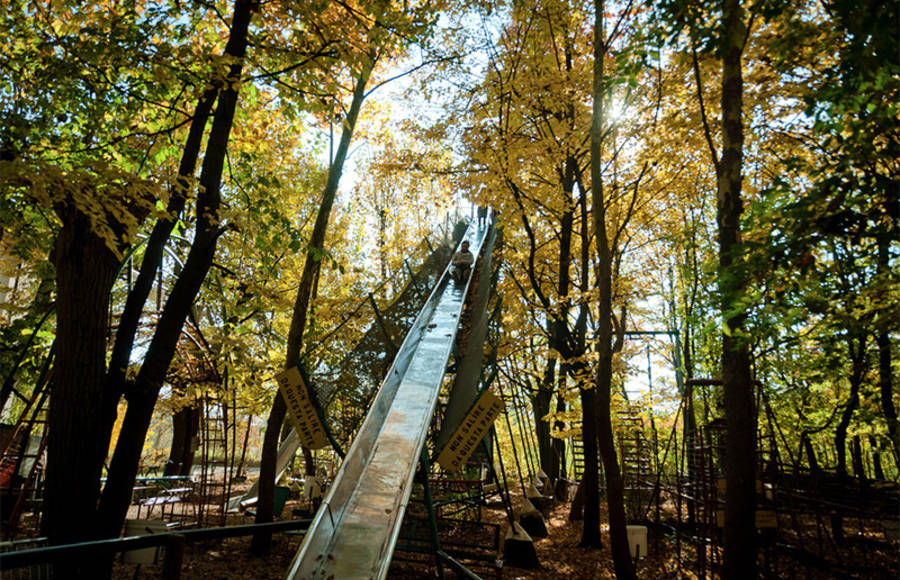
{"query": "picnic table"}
{"type": "Point", "coordinates": [166, 497]}
{"type": "Point", "coordinates": [163, 491]}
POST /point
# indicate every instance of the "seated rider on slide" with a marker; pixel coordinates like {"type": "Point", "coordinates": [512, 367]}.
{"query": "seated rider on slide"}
{"type": "Point", "coordinates": [462, 261]}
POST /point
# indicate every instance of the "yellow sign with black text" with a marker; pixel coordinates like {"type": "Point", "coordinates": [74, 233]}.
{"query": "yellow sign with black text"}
{"type": "Point", "coordinates": [470, 432]}
{"type": "Point", "coordinates": [300, 408]}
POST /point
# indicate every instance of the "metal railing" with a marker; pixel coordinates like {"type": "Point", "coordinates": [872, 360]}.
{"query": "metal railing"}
{"type": "Point", "coordinates": [174, 543]}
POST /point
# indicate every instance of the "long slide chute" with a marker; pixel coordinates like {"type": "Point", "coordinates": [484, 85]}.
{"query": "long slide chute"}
{"type": "Point", "coordinates": [354, 533]}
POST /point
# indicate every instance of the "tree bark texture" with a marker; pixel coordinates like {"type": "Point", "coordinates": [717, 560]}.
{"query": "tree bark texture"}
{"type": "Point", "coordinates": [885, 373]}
{"type": "Point", "coordinates": [590, 479]}
{"type": "Point", "coordinates": [856, 350]}
{"type": "Point", "coordinates": [603, 384]}
{"type": "Point", "coordinates": [739, 400]}
{"type": "Point", "coordinates": [185, 427]}
{"type": "Point", "coordinates": [540, 405]}
{"type": "Point", "coordinates": [85, 270]}
{"type": "Point", "coordinates": [558, 450]}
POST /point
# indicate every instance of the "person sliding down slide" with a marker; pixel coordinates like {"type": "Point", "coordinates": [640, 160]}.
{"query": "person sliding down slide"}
{"type": "Point", "coordinates": [462, 261]}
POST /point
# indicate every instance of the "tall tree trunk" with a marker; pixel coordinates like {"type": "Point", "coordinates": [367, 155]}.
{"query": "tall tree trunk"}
{"type": "Point", "coordinates": [540, 404]}
{"type": "Point", "coordinates": [877, 468]}
{"type": "Point", "coordinates": [856, 452]}
{"type": "Point", "coordinates": [614, 485]}
{"type": "Point", "coordinates": [885, 373]}
{"type": "Point", "coordinates": [262, 541]}
{"type": "Point", "coordinates": [558, 446]}
{"type": "Point", "coordinates": [85, 271]}
{"type": "Point", "coordinates": [185, 427]}
{"type": "Point", "coordinates": [683, 375]}
{"type": "Point", "coordinates": [590, 479]}
{"type": "Point", "coordinates": [690, 443]}
{"type": "Point", "coordinates": [857, 354]}
{"type": "Point", "coordinates": [740, 403]}
{"type": "Point", "coordinates": [123, 467]}
{"type": "Point", "coordinates": [856, 350]}
{"type": "Point", "coordinates": [806, 444]}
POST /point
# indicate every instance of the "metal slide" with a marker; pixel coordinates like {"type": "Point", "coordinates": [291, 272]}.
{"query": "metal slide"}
{"type": "Point", "coordinates": [364, 366]}
{"type": "Point", "coordinates": [354, 532]}
{"type": "Point", "coordinates": [286, 451]}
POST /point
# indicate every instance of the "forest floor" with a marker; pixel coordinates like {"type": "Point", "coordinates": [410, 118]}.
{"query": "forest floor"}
{"type": "Point", "coordinates": [559, 554]}
{"type": "Point", "coordinates": [802, 547]}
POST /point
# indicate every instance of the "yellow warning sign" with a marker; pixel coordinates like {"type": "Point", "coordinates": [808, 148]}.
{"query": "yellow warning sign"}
{"type": "Point", "coordinates": [471, 431]}
{"type": "Point", "coordinates": [303, 414]}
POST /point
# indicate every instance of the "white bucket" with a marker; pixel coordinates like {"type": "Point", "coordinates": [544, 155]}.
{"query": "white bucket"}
{"type": "Point", "coordinates": [143, 528]}
{"type": "Point", "coordinates": [637, 540]}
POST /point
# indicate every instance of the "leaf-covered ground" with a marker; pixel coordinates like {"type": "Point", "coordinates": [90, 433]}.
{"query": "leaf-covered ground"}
{"type": "Point", "coordinates": [865, 555]}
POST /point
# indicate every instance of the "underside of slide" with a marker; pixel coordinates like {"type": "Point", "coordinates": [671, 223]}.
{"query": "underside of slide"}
{"type": "Point", "coordinates": [345, 388]}
{"type": "Point", "coordinates": [354, 533]}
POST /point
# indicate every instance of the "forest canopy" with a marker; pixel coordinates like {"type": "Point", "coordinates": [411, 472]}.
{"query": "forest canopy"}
{"type": "Point", "coordinates": [194, 195]}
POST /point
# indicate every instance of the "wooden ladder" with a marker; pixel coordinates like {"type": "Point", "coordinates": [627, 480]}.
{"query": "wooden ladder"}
{"type": "Point", "coordinates": [21, 465]}
{"type": "Point", "coordinates": [577, 459]}
{"type": "Point", "coordinates": [217, 461]}
{"type": "Point", "coordinates": [635, 458]}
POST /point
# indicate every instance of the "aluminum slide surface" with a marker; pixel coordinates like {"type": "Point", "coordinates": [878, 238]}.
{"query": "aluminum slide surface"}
{"type": "Point", "coordinates": [354, 532]}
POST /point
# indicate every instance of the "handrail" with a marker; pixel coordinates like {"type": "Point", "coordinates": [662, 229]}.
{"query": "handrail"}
{"type": "Point", "coordinates": [53, 554]}
{"type": "Point", "coordinates": [355, 530]}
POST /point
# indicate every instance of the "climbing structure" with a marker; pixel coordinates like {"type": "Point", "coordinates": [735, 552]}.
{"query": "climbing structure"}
{"type": "Point", "coordinates": [22, 459]}
{"type": "Point", "coordinates": [344, 387]}
{"type": "Point", "coordinates": [217, 446]}
{"type": "Point", "coordinates": [345, 390]}
{"type": "Point", "coordinates": [635, 454]}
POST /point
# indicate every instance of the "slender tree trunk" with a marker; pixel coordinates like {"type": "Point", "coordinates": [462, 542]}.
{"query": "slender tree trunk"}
{"type": "Point", "coordinates": [857, 353]}
{"type": "Point", "coordinates": [810, 454]}
{"type": "Point", "coordinates": [550, 449]}
{"type": "Point", "coordinates": [123, 468]}
{"type": "Point", "coordinates": [614, 485]}
{"type": "Point", "coordinates": [150, 265]}
{"type": "Point", "coordinates": [740, 403]}
{"type": "Point", "coordinates": [683, 354]}
{"type": "Point", "coordinates": [877, 468]}
{"type": "Point", "coordinates": [859, 468]}
{"type": "Point", "coordinates": [540, 404]}
{"type": "Point", "coordinates": [265, 503]}
{"type": "Point", "coordinates": [558, 449]}
{"type": "Point", "coordinates": [590, 479]}
{"type": "Point", "coordinates": [885, 373]}
{"type": "Point", "coordinates": [690, 442]}
{"type": "Point", "coordinates": [262, 541]}
{"type": "Point", "coordinates": [244, 444]}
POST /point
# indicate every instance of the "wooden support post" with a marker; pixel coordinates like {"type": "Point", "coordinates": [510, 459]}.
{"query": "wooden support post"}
{"type": "Point", "coordinates": [429, 507]}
